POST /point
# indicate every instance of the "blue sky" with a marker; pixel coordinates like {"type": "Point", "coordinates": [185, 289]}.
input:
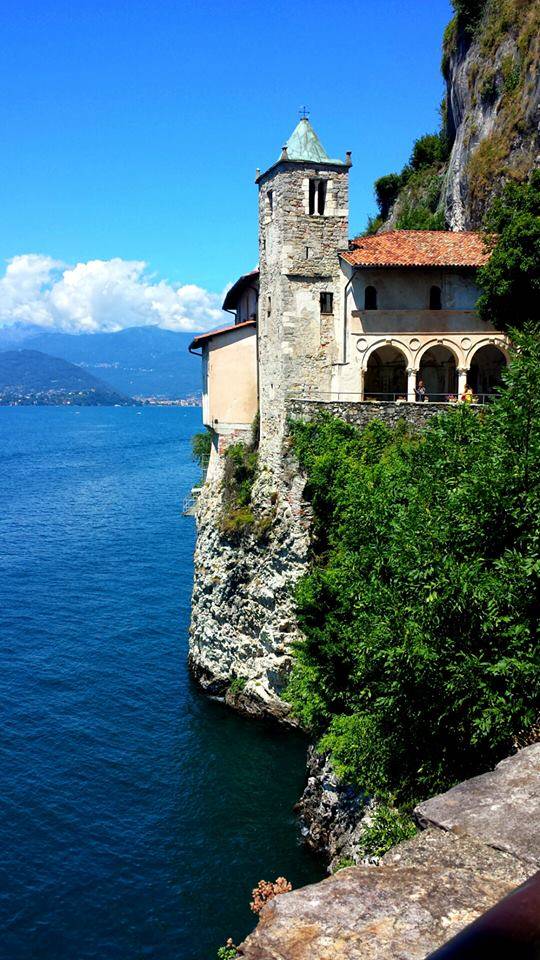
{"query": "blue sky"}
{"type": "Point", "coordinates": [132, 130]}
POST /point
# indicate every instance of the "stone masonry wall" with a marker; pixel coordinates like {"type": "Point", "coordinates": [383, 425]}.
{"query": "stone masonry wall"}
{"type": "Point", "coordinates": [297, 343]}
{"type": "Point", "coordinates": [360, 414]}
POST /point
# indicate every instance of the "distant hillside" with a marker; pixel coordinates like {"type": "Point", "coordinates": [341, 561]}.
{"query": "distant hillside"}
{"type": "Point", "coordinates": [141, 361]}
{"type": "Point", "coordinates": [34, 377]}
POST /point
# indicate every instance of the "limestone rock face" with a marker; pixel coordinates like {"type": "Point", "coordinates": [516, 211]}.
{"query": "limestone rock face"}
{"type": "Point", "coordinates": [332, 814]}
{"type": "Point", "coordinates": [501, 808]}
{"type": "Point", "coordinates": [421, 896]}
{"type": "Point", "coordinates": [493, 108]}
{"type": "Point", "coordinates": [243, 621]}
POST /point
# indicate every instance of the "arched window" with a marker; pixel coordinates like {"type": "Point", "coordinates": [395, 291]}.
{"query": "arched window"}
{"type": "Point", "coordinates": [370, 298]}
{"type": "Point", "coordinates": [435, 298]}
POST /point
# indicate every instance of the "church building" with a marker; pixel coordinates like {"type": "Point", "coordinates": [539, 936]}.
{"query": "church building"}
{"type": "Point", "coordinates": [333, 319]}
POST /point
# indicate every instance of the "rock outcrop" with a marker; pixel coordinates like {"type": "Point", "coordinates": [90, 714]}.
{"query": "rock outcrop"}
{"type": "Point", "coordinates": [500, 808]}
{"type": "Point", "coordinates": [426, 889]}
{"type": "Point", "coordinates": [493, 107]}
{"type": "Point", "coordinates": [243, 621]}
{"type": "Point", "coordinates": [332, 814]}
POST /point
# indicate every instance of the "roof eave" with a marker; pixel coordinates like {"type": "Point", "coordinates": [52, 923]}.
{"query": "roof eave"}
{"type": "Point", "coordinates": [334, 164]}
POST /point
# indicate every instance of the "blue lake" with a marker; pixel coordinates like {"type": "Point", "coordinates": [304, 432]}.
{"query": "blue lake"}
{"type": "Point", "coordinates": [136, 815]}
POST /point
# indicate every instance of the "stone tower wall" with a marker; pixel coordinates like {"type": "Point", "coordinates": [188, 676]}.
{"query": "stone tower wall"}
{"type": "Point", "coordinates": [298, 256]}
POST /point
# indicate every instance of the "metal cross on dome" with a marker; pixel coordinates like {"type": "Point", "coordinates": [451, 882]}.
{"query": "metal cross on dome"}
{"type": "Point", "coordinates": [304, 112]}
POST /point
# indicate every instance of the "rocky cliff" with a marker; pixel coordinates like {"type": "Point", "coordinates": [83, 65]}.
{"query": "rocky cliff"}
{"type": "Point", "coordinates": [243, 622]}
{"type": "Point", "coordinates": [493, 105]}
{"type": "Point", "coordinates": [490, 121]}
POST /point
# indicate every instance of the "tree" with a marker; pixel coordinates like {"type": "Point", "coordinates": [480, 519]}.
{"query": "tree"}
{"type": "Point", "coordinates": [429, 150]}
{"type": "Point", "coordinates": [386, 191]}
{"type": "Point", "coordinates": [510, 280]}
{"type": "Point", "coordinates": [420, 615]}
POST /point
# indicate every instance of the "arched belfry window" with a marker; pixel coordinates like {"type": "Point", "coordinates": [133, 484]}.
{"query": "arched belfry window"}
{"type": "Point", "coordinates": [435, 301]}
{"type": "Point", "coordinates": [317, 197]}
{"type": "Point", "coordinates": [370, 298]}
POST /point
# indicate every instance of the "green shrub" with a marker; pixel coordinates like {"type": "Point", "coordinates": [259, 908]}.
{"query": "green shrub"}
{"type": "Point", "coordinates": [237, 685]}
{"type": "Point", "coordinates": [388, 827]}
{"type": "Point", "coordinates": [469, 13]}
{"type": "Point", "coordinates": [240, 468]}
{"type": "Point", "coordinates": [488, 87]}
{"type": "Point", "coordinates": [201, 446]}
{"type": "Point", "coordinates": [511, 73]}
{"type": "Point", "coordinates": [227, 953]}
{"type": "Point", "coordinates": [510, 281]}
{"type": "Point", "coordinates": [420, 218]}
{"type": "Point", "coordinates": [449, 45]}
{"type": "Point", "coordinates": [420, 661]}
{"type": "Point", "coordinates": [429, 150]}
{"type": "Point", "coordinates": [386, 191]}
{"type": "Point", "coordinates": [342, 864]}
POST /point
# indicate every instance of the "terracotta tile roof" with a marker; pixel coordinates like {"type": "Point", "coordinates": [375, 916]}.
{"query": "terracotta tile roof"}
{"type": "Point", "coordinates": [418, 248]}
{"type": "Point", "coordinates": [199, 340]}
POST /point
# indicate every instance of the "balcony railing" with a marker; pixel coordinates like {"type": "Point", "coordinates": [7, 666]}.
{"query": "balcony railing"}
{"type": "Point", "coordinates": [344, 396]}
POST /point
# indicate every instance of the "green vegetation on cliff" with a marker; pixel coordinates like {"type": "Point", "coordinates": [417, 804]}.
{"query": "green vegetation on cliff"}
{"type": "Point", "coordinates": [419, 664]}
{"type": "Point", "coordinates": [510, 281]}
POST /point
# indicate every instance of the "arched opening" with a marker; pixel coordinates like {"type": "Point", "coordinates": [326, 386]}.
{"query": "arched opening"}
{"type": "Point", "coordinates": [435, 300]}
{"type": "Point", "coordinates": [485, 375]}
{"type": "Point", "coordinates": [386, 375]}
{"type": "Point", "coordinates": [438, 374]}
{"type": "Point", "coordinates": [370, 298]}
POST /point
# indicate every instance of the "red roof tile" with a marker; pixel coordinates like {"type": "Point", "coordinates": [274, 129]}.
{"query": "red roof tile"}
{"type": "Point", "coordinates": [418, 248]}
{"type": "Point", "coordinates": [198, 340]}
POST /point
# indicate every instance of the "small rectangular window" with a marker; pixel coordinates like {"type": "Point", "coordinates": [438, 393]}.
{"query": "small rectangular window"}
{"type": "Point", "coordinates": [270, 196]}
{"type": "Point", "coordinates": [312, 196]}
{"type": "Point", "coordinates": [308, 253]}
{"type": "Point", "coordinates": [327, 302]}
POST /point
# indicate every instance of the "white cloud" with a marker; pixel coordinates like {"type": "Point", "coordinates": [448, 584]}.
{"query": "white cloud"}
{"type": "Point", "coordinates": [100, 295]}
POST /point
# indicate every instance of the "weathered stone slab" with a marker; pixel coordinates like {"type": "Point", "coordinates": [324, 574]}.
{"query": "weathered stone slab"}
{"type": "Point", "coordinates": [425, 892]}
{"type": "Point", "coordinates": [500, 808]}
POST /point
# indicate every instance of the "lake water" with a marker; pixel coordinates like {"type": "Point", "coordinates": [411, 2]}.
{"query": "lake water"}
{"type": "Point", "coordinates": [136, 814]}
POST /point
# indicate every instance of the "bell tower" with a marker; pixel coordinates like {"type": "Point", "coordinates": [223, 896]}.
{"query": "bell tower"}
{"type": "Point", "coordinates": [303, 223]}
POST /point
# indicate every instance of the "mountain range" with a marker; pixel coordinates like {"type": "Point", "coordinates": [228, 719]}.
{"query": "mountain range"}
{"type": "Point", "coordinates": [29, 376]}
{"type": "Point", "coordinates": [138, 361]}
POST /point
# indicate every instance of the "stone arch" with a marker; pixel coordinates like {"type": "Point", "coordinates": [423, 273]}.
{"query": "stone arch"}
{"type": "Point", "coordinates": [438, 371]}
{"type": "Point", "coordinates": [450, 345]}
{"type": "Point", "coordinates": [486, 364]}
{"type": "Point", "coordinates": [385, 376]}
{"type": "Point", "coordinates": [387, 342]}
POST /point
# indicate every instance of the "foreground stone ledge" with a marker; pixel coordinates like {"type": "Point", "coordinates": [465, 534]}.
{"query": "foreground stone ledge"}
{"type": "Point", "coordinates": [397, 911]}
{"type": "Point", "coordinates": [501, 808]}
{"type": "Point", "coordinates": [425, 890]}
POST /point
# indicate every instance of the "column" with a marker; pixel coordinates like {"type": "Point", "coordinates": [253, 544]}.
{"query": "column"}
{"type": "Point", "coordinates": [362, 378]}
{"type": "Point", "coordinates": [462, 381]}
{"type": "Point", "coordinates": [411, 384]}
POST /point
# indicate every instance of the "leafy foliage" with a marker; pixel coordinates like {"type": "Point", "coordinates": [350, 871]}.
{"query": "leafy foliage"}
{"type": "Point", "coordinates": [388, 827]}
{"type": "Point", "coordinates": [228, 952]}
{"type": "Point", "coordinates": [238, 476]}
{"type": "Point", "coordinates": [201, 446]}
{"type": "Point", "coordinates": [419, 661]}
{"type": "Point", "coordinates": [510, 281]}
{"type": "Point", "coordinates": [469, 13]}
{"type": "Point", "coordinates": [428, 150]}
{"type": "Point", "coordinates": [386, 191]}
{"type": "Point", "coordinates": [418, 188]}
{"type": "Point", "coordinates": [237, 685]}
